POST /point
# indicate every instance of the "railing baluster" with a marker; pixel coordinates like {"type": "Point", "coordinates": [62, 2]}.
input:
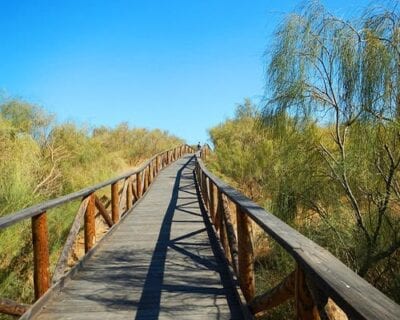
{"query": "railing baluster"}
{"type": "Point", "coordinates": [305, 307]}
{"type": "Point", "coordinates": [246, 254]}
{"type": "Point", "coordinates": [129, 199]}
{"type": "Point", "coordinates": [90, 227]}
{"type": "Point", "coordinates": [40, 238]}
{"type": "Point", "coordinates": [114, 202]}
{"type": "Point", "coordinates": [139, 189]}
{"type": "Point", "coordinates": [213, 201]}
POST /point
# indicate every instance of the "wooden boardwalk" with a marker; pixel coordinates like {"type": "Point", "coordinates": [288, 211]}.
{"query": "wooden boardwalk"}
{"type": "Point", "coordinates": [161, 262]}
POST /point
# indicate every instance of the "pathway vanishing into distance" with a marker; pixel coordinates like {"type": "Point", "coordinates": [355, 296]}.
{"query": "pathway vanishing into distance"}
{"type": "Point", "coordinates": [161, 262]}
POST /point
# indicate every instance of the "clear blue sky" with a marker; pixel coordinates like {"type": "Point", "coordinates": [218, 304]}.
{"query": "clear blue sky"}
{"type": "Point", "coordinates": [176, 65]}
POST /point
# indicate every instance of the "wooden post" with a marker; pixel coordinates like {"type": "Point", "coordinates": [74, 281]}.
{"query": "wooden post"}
{"type": "Point", "coordinates": [205, 191]}
{"type": "Point", "coordinates": [129, 196]}
{"type": "Point", "coordinates": [90, 231]}
{"type": "Point", "coordinates": [139, 189]}
{"type": "Point", "coordinates": [213, 200]}
{"type": "Point", "coordinates": [222, 227]}
{"type": "Point", "coordinates": [246, 254]}
{"type": "Point", "coordinates": [305, 307]}
{"type": "Point", "coordinates": [157, 164]}
{"type": "Point", "coordinates": [114, 202]}
{"type": "Point", "coordinates": [150, 172]}
{"type": "Point", "coordinates": [146, 179]}
{"type": "Point", "coordinates": [41, 274]}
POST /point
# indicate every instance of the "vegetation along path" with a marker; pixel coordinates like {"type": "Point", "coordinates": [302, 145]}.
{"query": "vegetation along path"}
{"type": "Point", "coordinates": [160, 262]}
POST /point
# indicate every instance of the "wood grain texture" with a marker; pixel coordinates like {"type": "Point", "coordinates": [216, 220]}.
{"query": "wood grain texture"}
{"type": "Point", "coordinates": [90, 231]}
{"type": "Point", "coordinates": [40, 242]}
{"type": "Point", "coordinates": [158, 263]}
{"type": "Point", "coordinates": [11, 307]}
{"type": "Point", "coordinates": [115, 202]}
{"type": "Point", "coordinates": [69, 243]}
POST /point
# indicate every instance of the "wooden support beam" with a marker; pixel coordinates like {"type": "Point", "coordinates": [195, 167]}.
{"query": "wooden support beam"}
{"type": "Point", "coordinates": [275, 296]}
{"type": "Point", "coordinates": [114, 202]}
{"type": "Point", "coordinates": [246, 254]}
{"type": "Point", "coordinates": [230, 231]}
{"type": "Point", "coordinates": [69, 243]}
{"type": "Point", "coordinates": [214, 200]}
{"type": "Point", "coordinates": [129, 195]}
{"type": "Point", "coordinates": [40, 241]}
{"type": "Point", "coordinates": [103, 211]}
{"type": "Point", "coordinates": [222, 228]}
{"type": "Point", "coordinates": [146, 179]}
{"type": "Point", "coordinates": [150, 172]}
{"type": "Point", "coordinates": [157, 164]}
{"type": "Point", "coordinates": [13, 308]}
{"type": "Point", "coordinates": [139, 187]}
{"type": "Point", "coordinates": [304, 304]}
{"type": "Point", "coordinates": [90, 227]}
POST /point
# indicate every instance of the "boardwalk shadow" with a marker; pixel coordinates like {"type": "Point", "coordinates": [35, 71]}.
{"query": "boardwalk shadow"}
{"type": "Point", "coordinates": [191, 246]}
{"type": "Point", "coordinates": [173, 260]}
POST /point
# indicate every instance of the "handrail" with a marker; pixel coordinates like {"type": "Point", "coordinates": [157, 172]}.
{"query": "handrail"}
{"type": "Point", "coordinates": [136, 183]}
{"type": "Point", "coordinates": [32, 211]}
{"type": "Point", "coordinates": [318, 275]}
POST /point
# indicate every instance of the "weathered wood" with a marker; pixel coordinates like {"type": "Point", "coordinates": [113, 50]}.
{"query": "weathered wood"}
{"type": "Point", "coordinates": [90, 228]}
{"type": "Point", "coordinates": [122, 199]}
{"type": "Point", "coordinates": [213, 200]}
{"type": "Point", "coordinates": [304, 304]}
{"type": "Point", "coordinates": [146, 180]}
{"type": "Point", "coordinates": [103, 211]}
{"type": "Point", "coordinates": [134, 191]}
{"type": "Point", "coordinates": [13, 308]}
{"type": "Point", "coordinates": [355, 296]}
{"type": "Point", "coordinates": [150, 173]}
{"type": "Point", "coordinates": [69, 243]}
{"type": "Point", "coordinates": [327, 308]}
{"type": "Point", "coordinates": [205, 191]}
{"type": "Point", "coordinates": [230, 231]}
{"type": "Point", "coordinates": [150, 258]}
{"type": "Point", "coordinates": [129, 195]}
{"type": "Point", "coordinates": [275, 296]}
{"type": "Point", "coordinates": [139, 188]}
{"type": "Point", "coordinates": [114, 202]}
{"type": "Point", "coordinates": [40, 241]}
{"type": "Point", "coordinates": [222, 229]}
{"type": "Point", "coordinates": [246, 254]}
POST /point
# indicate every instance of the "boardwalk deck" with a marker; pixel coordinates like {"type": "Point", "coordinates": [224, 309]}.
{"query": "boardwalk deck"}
{"type": "Point", "coordinates": [158, 263]}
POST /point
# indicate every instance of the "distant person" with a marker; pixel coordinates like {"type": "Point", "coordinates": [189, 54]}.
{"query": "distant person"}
{"type": "Point", "coordinates": [198, 146]}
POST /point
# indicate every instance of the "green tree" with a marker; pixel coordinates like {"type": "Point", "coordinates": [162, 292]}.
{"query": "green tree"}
{"type": "Point", "coordinates": [345, 75]}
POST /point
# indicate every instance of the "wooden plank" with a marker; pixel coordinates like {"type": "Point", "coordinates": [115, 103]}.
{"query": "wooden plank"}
{"type": "Point", "coordinates": [72, 235]}
{"type": "Point", "coordinates": [154, 255]}
{"type": "Point", "coordinates": [353, 294]}
{"type": "Point", "coordinates": [13, 308]}
{"type": "Point", "coordinates": [40, 242]}
{"type": "Point", "coordinates": [103, 211]}
{"type": "Point", "coordinates": [90, 227]}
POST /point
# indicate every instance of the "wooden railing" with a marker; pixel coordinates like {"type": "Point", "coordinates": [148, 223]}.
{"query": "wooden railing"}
{"type": "Point", "coordinates": [318, 279]}
{"type": "Point", "coordinates": [135, 184]}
